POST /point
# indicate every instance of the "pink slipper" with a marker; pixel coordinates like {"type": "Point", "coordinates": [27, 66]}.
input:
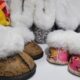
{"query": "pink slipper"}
{"type": "Point", "coordinates": [58, 56]}
{"type": "Point", "coordinates": [74, 65]}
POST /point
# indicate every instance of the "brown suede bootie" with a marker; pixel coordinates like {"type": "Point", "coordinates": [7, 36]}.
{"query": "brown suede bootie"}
{"type": "Point", "coordinates": [34, 50]}
{"type": "Point", "coordinates": [18, 67]}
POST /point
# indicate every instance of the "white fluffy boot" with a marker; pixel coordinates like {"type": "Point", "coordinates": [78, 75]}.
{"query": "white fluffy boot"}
{"type": "Point", "coordinates": [28, 12]}
{"type": "Point", "coordinates": [44, 19]}
{"type": "Point", "coordinates": [18, 18]}
{"type": "Point", "coordinates": [67, 14]}
{"type": "Point", "coordinates": [64, 48]}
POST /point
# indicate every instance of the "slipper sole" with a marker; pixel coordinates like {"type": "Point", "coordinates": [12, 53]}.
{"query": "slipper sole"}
{"type": "Point", "coordinates": [24, 76]}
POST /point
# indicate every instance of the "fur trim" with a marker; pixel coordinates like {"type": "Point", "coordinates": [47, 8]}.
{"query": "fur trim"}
{"type": "Point", "coordinates": [73, 42]}
{"type": "Point", "coordinates": [16, 11]}
{"type": "Point", "coordinates": [10, 42]}
{"type": "Point", "coordinates": [57, 39]}
{"type": "Point", "coordinates": [25, 33]}
{"type": "Point", "coordinates": [67, 14]}
{"type": "Point", "coordinates": [16, 20]}
{"type": "Point", "coordinates": [28, 12]}
{"type": "Point", "coordinates": [44, 17]}
{"type": "Point", "coordinates": [68, 40]}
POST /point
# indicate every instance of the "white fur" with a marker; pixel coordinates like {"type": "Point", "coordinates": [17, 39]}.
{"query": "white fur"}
{"type": "Point", "coordinates": [67, 13]}
{"type": "Point", "coordinates": [10, 42]}
{"type": "Point", "coordinates": [57, 39]}
{"type": "Point", "coordinates": [25, 33]}
{"type": "Point", "coordinates": [21, 20]}
{"type": "Point", "coordinates": [68, 40]}
{"type": "Point", "coordinates": [73, 41]}
{"type": "Point", "coordinates": [44, 19]}
{"type": "Point", "coordinates": [75, 5]}
{"type": "Point", "coordinates": [28, 12]}
{"type": "Point", "coordinates": [16, 11]}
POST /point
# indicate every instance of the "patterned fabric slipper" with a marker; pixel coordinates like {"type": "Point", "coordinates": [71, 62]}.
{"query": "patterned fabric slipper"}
{"type": "Point", "coordinates": [74, 65]}
{"type": "Point", "coordinates": [58, 56]}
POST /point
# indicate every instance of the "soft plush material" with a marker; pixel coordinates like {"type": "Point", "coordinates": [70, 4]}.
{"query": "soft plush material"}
{"type": "Point", "coordinates": [14, 37]}
{"type": "Point", "coordinates": [28, 12]}
{"type": "Point", "coordinates": [68, 14]}
{"type": "Point", "coordinates": [23, 13]}
{"type": "Point", "coordinates": [25, 33]}
{"type": "Point", "coordinates": [16, 11]}
{"type": "Point", "coordinates": [68, 18]}
{"type": "Point", "coordinates": [57, 39]}
{"type": "Point", "coordinates": [19, 18]}
{"type": "Point", "coordinates": [73, 42]}
{"type": "Point", "coordinates": [44, 15]}
{"type": "Point", "coordinates": [10, 42]}
{"type": "Point", "coordinates": [68, 40]}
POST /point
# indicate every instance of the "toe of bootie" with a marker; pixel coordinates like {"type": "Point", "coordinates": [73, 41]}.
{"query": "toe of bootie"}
{"type": "Point", "coordinates": [74, 65]}
{"type": "Point", "coordinates": [34, 50]}
{"type": "Point", "coordinates": [18, 67]}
